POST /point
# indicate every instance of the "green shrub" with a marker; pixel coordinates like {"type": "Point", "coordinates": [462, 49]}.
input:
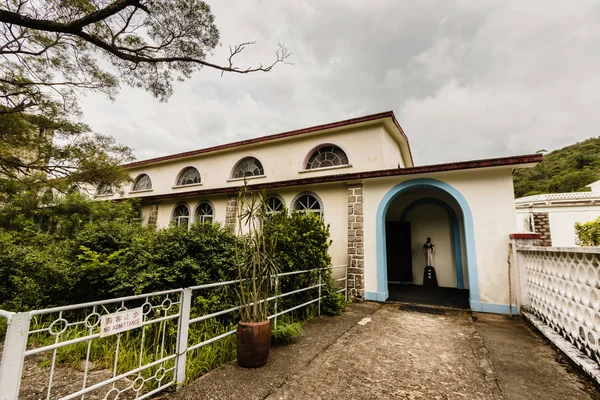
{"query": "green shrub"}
{"type": "Point", "coordinates": [285, 333]}
{"type": "Point", "coordinates": [98, 250]}
{"type": "Point", "coordinates": [333, 303]}
{"type": "Point", "coordinates": [588, 233]}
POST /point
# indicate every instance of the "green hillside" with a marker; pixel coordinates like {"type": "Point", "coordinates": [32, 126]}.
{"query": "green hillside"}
{"type": "Point", "coordinates": [566, 170]}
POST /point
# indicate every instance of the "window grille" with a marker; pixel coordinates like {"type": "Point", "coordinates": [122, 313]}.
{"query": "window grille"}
{"type": "Point", "coordinates": [104, 190]}
{"type": "Point", "coordinates": [142, 182]}
{"type": "Point", "coordinates": [248, 167]}
{"type": "Point", "coordinates": [189, 176]}
{"type": "Point", "coordinates": [181, 216]}
{"type": "Point", "coordinates": [205, 212]}
{"type": "Point", "coordinates": [274, 204]}
{"type": "Point", "coordinates": [308, 203]}
{"type": "Point", "coordinates": [327, 156]}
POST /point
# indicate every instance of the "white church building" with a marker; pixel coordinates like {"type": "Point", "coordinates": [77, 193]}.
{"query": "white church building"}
{"type": "Point", "coordinates": [553, 215]}
{"type": "Point", "coordinates": [359, 175]}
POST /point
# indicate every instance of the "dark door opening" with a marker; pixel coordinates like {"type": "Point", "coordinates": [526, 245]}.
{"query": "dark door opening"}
{"type": "Point", "coordinates": [399, 254]}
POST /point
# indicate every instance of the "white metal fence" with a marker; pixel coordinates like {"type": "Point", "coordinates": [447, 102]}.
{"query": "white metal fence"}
{"type": "Point", "coordinates": [564, 292]}
{"type": "Point", "coordinates": [139, 362]}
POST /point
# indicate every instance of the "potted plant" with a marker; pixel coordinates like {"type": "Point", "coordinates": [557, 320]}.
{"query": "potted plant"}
{"type": "Point", "coordinates": [256, 271]}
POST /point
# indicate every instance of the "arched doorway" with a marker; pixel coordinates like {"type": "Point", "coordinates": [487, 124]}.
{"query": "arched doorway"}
{"type": "Point", "coordinates": [454, 247]}
{"type": "Point", "coordinates": [460, 221]}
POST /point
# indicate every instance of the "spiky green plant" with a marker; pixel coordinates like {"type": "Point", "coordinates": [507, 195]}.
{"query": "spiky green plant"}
{"type": "Point", "coordinates": [286, 332]}
{"type": "Point", "coordinates": [256, 257]}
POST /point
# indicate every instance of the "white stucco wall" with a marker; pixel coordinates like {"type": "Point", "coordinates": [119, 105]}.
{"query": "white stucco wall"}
{"type": "Point", "coordinates": [489, 192]}
{"type": "Point", "coordinates": [562, 220]}
{"type": "Point", "coordinates": [391, 153]}
{"type": "Point", "coordinates": [368, 148]}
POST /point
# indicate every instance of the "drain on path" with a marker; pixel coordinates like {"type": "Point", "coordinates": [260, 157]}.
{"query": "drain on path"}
{"type": "Point", "coordinates": [422, 309]}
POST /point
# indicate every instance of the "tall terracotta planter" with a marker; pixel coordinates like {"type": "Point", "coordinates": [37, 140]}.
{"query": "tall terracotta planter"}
{"type": "Point", "coordinates": [253, 343]}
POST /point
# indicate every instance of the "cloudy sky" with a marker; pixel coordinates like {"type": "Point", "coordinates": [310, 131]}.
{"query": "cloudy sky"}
{"type": "Point", "coordinates": [466, 79]}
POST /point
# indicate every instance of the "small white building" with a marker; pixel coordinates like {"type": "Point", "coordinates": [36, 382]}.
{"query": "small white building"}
{"type": "Point", "coordinates": [554, 215]}
{"type": "Point", "coordinates": [359, 176]}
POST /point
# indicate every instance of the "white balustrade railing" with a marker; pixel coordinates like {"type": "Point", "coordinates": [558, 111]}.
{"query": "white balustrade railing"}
{"type": "Point", "coordinates": [563, 285]}
{"type": "Point", "coordinates": [159, 345]}
{"type": "Point", "coordinates": [550, 198]}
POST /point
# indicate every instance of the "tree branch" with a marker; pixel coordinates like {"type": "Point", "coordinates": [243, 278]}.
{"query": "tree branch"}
{"type": "Point", "coordinates": [131, 55]}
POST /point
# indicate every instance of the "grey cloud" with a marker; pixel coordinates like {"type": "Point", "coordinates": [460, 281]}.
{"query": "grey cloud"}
{"type": "Point", "coordinates": [467, 79]}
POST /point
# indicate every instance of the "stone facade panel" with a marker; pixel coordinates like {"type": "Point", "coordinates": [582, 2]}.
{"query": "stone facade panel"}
{"type": "Point", "coordinates": [355, 242]}
{"type": "Point", "coordinates": [231, 213]}
{"type": "Point", "coordinates": [153, 216]}
{"type": "Point", "coordinates": [541, 225]}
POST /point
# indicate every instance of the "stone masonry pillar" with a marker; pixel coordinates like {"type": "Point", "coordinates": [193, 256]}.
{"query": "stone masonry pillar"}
{"type": "Point", "coordinates": [231, 213]}
{"type": "Point", "coordinates": [541, 225]}
{"type": "Point", "coordinates": [355, 241]}
{"type": "Point", "coordinates": [153, 216]}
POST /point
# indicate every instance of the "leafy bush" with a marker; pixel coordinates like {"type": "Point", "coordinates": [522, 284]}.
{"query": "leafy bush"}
{"type": "Point", "coordinates": [588, 233]}
{"type": "Point", "coordinates": [83, 250]}
{"type": "Point", "coordinates": [302, 243]}
{"type": "Point", "coordinates": [333, 303]}
{"type": "Point", "coordinates": [285, 332]}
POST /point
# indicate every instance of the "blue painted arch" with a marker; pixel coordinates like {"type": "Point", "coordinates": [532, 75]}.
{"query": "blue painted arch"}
{"type": "Point", "coordinates": [422, 183]}
{"type": "Point", "coordinates": [456, 242]}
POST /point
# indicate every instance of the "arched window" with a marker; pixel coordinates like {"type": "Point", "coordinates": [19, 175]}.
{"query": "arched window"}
{"type": "Point", "coordinates": [189, 176]}
{"type": "Point", "coordinates": [142, 182]}
{"type": "Point", "coordinates": [205, 212]}
{"type": "Point", "coordinates": [247, 167]}
{"type": "Point", "coordinates": [181, 215]}
{"type": "Point", "coordinates": [327, 156]}
{"type": "Point", "coordinates": [104, 190]}
{"type": "Point", "coordinates": [308, 202]}
{"type": "Point", "coordinates": [274, 204]}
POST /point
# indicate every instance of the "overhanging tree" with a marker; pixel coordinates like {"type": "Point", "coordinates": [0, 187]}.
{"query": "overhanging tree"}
{"type": "Point", "coordinates": [53, 50]}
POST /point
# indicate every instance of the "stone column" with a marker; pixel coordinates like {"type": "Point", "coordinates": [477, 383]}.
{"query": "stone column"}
{"type": "Point", "coordinates": [231, 213]}
{"type": "Point", "coordinates": [541, 225]}
{"type": "Point", "coordinates": [153, 216]}
{"type": "Point", "coordinates": [355, 241]}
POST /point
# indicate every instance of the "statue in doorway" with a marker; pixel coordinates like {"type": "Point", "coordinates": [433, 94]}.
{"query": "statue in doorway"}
{"type": "Point", "coordinates": [429, 276]}
{"type": "Point", "coordinates": [428, 249]}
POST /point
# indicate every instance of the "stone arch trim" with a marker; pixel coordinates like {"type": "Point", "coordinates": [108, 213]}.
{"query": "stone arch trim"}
{"type": "Point", "coordinates": [382, 285]}
{"type": "Point", "coordinates": [309, 193]}
{"type": "Point", "coordinates": [456, 240]}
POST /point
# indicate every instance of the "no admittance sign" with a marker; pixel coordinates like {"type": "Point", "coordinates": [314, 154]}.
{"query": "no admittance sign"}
{"type": "Point", "coordinates": [121, 321]}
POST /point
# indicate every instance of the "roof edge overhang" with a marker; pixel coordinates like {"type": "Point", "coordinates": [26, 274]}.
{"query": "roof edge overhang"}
{"type": "Point", "coordinates": [387, 118]}
{"type": "Point", "coordinates": [523, 161]}
{"type": "Point", "coordinates": [393, 127]}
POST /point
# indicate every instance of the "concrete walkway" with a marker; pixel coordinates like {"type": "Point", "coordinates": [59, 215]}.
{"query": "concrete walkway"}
{"type": "Point", "coordinates": [376, 351]}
